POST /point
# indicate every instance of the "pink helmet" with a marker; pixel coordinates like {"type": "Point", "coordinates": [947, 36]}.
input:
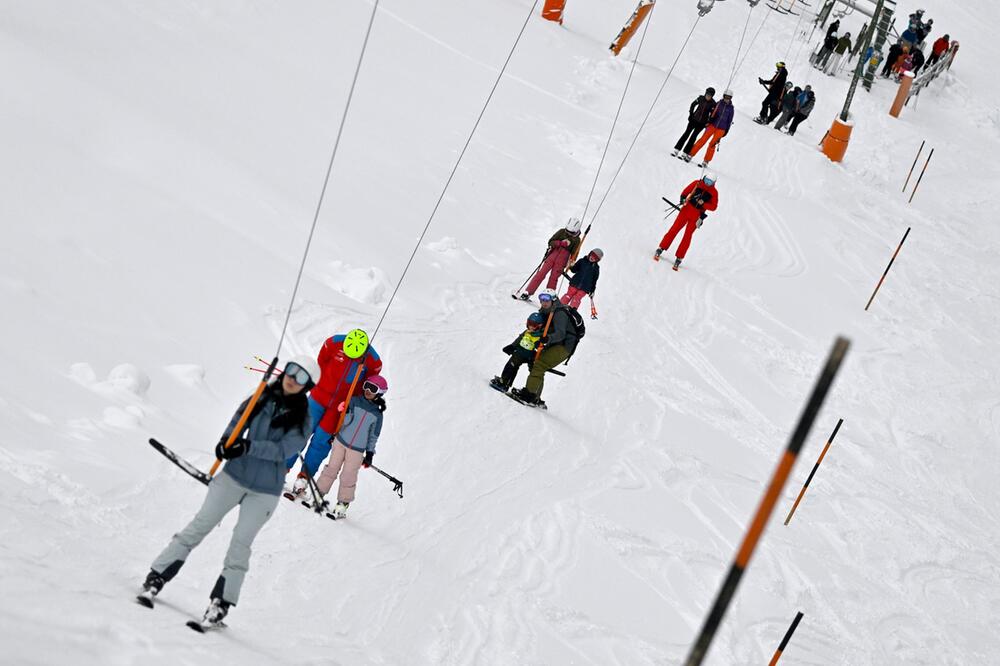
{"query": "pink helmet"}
{"type": "Point", "coordinates": [378, 383]}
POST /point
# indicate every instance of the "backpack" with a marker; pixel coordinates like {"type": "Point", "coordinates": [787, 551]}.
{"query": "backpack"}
{"type": "Point", "coordinates": [576, 319]}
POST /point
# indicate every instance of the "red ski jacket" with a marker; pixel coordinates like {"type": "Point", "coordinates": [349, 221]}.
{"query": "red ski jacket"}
{"type": "Point", "coordinates": [338, 372]}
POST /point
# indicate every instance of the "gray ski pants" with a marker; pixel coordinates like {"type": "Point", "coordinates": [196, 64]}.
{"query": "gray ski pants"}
{"type": "Point", "coordinates": [224, 494]}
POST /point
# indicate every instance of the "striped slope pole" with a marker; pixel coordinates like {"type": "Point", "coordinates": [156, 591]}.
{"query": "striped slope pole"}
{"type": "Point", "coordinates": [914, 165]}
{"type": "Point", "coordinates": [784, 641]}
{"type": "Point", "coordinates": [813, 472]}
{"type": "Point", "coordinates": [728, 590]}
{"type": "Point", "coordinates": [879, 285]}
{"type": "Point", "coordinates": [921, 177]}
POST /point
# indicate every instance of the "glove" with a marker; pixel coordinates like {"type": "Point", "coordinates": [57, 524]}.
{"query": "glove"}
{"type": "Point", "coordinates": [235, 450]}
{"type": "Point", "coordinates": [341, 406]}
{"type": "Point", "coordinates": [509, 349]}
{"type": "Point", "coordinates": [544, 340]}
{"type": "Point", "coordinates": [702, 216]}
{"type": "Point", "coordinates": [564, 243]}
{"type": "Point", "coordinates": [367, 462]}
{"type": "Point", "coordinates": [761, 80]}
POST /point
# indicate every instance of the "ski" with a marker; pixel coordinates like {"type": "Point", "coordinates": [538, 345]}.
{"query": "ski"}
{"type": "Point", "coordinates": [203, 627]}
{"type": "Point", "coordinates": [307, 504]}
{"type": "Point", "coordinates": [145, 599]}
{"type": "Point", "coordinates": [180, 462]}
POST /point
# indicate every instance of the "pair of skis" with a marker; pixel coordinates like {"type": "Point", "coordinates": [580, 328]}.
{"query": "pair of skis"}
{"type": "Point", "coordinates": [145, 599]}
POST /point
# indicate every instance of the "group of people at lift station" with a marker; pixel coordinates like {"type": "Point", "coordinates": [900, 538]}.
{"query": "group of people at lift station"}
{"type": "Point", "coordinates": [908, 54]}
{"type": "Point", "coordinates": [335, 401]}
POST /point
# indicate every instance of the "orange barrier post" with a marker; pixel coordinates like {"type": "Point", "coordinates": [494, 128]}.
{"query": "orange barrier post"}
{"type": "Point", "coordinates": [921, 176]}
{"type": "Point", "coordinates": [905, 83]}
{"type": "Point", "coordinates": [805, 485]}
{"type": "Point", "coordinates": [553, 10]}
{"type": "Point", "coordinates": [766, 507]}
{"type": "Point", "coordinates": [836, 140]}
{"type": "Point", "coordinates": [784, 641]}
{"type": "Point", "coordinates": [638, 16]}
{"type": "Point", "coordinates": [879, 285]}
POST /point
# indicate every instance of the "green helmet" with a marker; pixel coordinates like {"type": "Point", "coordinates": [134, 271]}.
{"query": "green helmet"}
{"type": "Point", "coordinates": [356, 343]}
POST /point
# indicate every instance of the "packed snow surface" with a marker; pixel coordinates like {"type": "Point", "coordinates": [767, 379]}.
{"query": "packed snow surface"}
{"type": "Point", "coordinates": [161, 165]}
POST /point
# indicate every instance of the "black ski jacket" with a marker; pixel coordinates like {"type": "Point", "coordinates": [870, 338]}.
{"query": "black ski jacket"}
{"type": "Point", "coordinates": [700, 109]}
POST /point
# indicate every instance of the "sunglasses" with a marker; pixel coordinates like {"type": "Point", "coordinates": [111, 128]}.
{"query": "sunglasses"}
{"type": "Point", "coordinates": [373, 388]}
{"type": "Point", "coordinates": [298, 374]}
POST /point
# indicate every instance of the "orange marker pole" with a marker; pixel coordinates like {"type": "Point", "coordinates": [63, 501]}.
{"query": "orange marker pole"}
{"type": "Point", "coordinates": [813, 472]}
{"type": "Point", "coordinates": [728, 590]}
{"type": "Point", "coordinates": [914, 166]}
{"type": "Point", "coordinates": [553, 10]}
{"type": "Point", "coordinates": [245, 416]}
{"type": "Point", "coordinates": [879, 285]}
{"type": "Point", "coordinates": [921, 176]}
{"type": "Point", "coordinates": [784, 641]}
{"type": "Point", "coordinates": [627, 32]}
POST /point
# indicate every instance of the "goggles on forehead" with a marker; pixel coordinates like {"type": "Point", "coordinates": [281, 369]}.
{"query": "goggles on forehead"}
{"type": "Point", "coordinates": [298, 374]}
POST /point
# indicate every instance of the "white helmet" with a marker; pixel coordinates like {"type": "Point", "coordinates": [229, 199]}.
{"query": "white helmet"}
{"type": "Point", "coordinates": [728, 92]}
{"type": "Point", "coordinates": [708, 178]}
{"type": "Point", "coordinates": [309, 364]}
{"type": "Point", "coordinates": [549, 294]}
{"type": "Point", "coordinates": [574, 224]}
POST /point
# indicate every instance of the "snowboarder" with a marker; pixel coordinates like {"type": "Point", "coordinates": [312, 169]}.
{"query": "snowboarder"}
{"type": "Point", "coordinates": [251, 479]}
{"type": "Point", "coordinates": [719, 123]}
{"type": "Point", "coordinates": [521, 351]}
{"type": "Point", "coordinates": [355, 443]}
{"type": "Point", "coordinates": [788, 107]}
{"type": "Point", "coordinates": [698, 114]}
{"type": "Point", "coordinates": [696, 199]}
{"type": "Point", "coordinates": [938, 49]}
{"type": "Point", "coordinates": [562, 246]}
{"type": "Point", "coordinates": [565, 328]}
{"type": "Point", "coordinates": [342, 358]}
{"type": "Point", "coordinates": [804, 106]}
{"type": "Point", "coordinates": [584, 281]}
{"type": "Point", "coordinates": [775, 89]}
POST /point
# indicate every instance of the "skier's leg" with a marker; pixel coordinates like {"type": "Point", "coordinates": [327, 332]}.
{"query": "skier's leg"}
{"type": "Point", "coordinates": [691, 139]}
{"type": "Point", "coordinates": [686, 240]}
{"type": "Point", "coordinates": [317, 451]}
{"type": "Point", "coordinates": [509, 372]}
{"type": "Point", "coordinates": [577, 296]}
{"type": "Point", "coordinates": [710, 153]}
{"type": "Point", "coordinates": [539, 275]}
{"type": "Point", "coordinates": [255, 510]}
{"type": "Point", "coordinates": [349, 477]}
{"type": "Point", "coordinates": [559, 259]}
{"type": "Point", "coordinates": [325, 480]}
{"type": "Point", "coordinates": [316, 411]}
{"type": "Point", "coordinates": [675, 228]}
{"type": "Point", "coordinates": [549, 358]}
{"type": "Point", "coordinates": [223, 494]}
{"type": "Point", "coordinates": [702, 140]}
{"type": "Point", "coordinates": [684, 137]}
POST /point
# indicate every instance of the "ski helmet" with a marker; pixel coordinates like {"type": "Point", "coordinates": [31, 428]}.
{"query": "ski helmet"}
{"type": "Point", "coordinates": [376, 384]}
{"type": "Point", "coordinates": [356, 343]}
{"type": "Point", "coordinates": [547, 295]}
{"type": "Point", "coordinates": [710, 91]}
{"type": "Point", "coordinates": [728, 93]}
{"type": "Point", "coordinates": [574, 224]}
{"type": "Point", "coordinates": [779, 64]}
{"type": "Point", "coordinates": [303, 365]}
{"type": "Point", "coordinates": [597, 252]}
{"type": "Point", "coordinates": [708, 178]}
{"type": "Point", "coordinates": [536, 320]}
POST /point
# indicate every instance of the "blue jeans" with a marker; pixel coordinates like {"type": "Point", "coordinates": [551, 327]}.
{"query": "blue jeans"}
{"type": "Point", "coordinates": [319, 444]}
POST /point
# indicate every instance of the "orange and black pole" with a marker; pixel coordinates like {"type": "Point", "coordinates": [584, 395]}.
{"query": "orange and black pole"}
{"type": "Point", "coordinates": [914, 165]}
{"type": "Point", "coordinates": [728, 590]}
{"type": "Point", "coordinates": [805, 485]}
{"type": "Point", "coordinates": [245, 416]}
{"type": "Point", "coordinates": [879, 285]}
{"type": "Point", "coordinates": [784, 641]}
{"type": "Point", "coordinates": [921, 177]}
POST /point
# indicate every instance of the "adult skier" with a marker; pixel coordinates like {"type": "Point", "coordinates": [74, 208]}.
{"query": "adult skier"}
{"type": "Point", "coordinates": [521, 351]}
{"type": "Point", "coordinates": [829, 44]}
{"type": "Point", "coordinates": [346, 360]}
{"type": "Point", "coordinates": [842, 50]}
{"type": "Point", "coordinates": [355, 443]}
{"type": "Point", "coordinates": [788, 107]}
{"type": "Point", "coordinates": [938, 49]}
{"type": "Point", "coordinates": [696, 200]}
{"type": "Point", "coordinates": [562, 246]}
{"type": "Point", "coordinates": [719, 123]}
{"type": "Point", "coordinates": [804, 106]}
{"type": "Point", "coordinates": [698, 114]}
{"type": "Point", "coordinates": [584, 281]}
{"type": "Point", "coordinates": [775, 89]}
{"type": "Point", "coordinates": [251, 479]}
{"type": "Point", "coordinates": [895, 51]}
{"type": "Point", "coordinates": [565, 328]}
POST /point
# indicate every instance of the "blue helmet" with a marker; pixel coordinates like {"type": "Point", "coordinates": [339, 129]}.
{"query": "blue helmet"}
{"type": "Point", "coordinates": [536, 319]}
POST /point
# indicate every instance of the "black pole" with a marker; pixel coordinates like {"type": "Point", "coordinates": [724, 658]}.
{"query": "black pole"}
{"type": "Point", "coordinates": [788, 637]}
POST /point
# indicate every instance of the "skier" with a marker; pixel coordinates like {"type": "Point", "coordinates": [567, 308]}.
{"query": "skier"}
{"type": "Point", "coordinates": [565, 328]}
{"type": "Point", "coordinates": [842, 49]}
{"type": "Point", "coordinates": [938, 49]}
{"type": "Point", "coordinates": [804, 106]}
{"type": "Point", "coordinates": [924, 30]}
{"type": "Point", "coordinates": [829, 44]}
{"type": "Point", "coordinates": [355, 444]}
{"type": "Point", "coordinates": [834, 27]}
{"type": "Point", "coordinates": [916, 19]}
{"type": "Point", "coordinates": [251, 479]}
{"type": "Point", "coordinates": [562, 246]}
{"type": "Point", "coordinates": [719, 123]}
{"type": "Point", "coordinates": [584, 281]}
{"type": "Point", "coordinates": [775, 89]}
{"type": "Point", "coordinates": [890, 60]}
{"type": "Point", "coordinates": [696, 199]}
{"type": "Point", "coordinates": [698, 114]}
{"type": "Point", "coordinates": [342, 358]}
{"type": "Point", "coordinates": [788, 107]}
{"type": "Point", "coordinates": [521, 351]}
{"type": "Point", "coordinates": [918, 59]}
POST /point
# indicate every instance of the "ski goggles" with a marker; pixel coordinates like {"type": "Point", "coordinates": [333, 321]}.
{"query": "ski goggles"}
{"type": "Point", "coordinates": [544, 298]}
{"type": "Point", "coordinates": [298, 374]}
{"type": "Point", "coordinates": [369, 386]}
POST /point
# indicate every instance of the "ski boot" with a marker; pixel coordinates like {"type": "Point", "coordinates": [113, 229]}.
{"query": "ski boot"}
{"type": "Point", "coordinates": [525, 296]}
{"type": "Point", "coordinates": [703, 165]}
{"type": "Point", "coordinates": [499, 385]}
{"type": "Point", "coordinates": [676, 153]}
{"type": "Point", "coordinates": [298, 488]}
{"type": "Point", "coordinates": [215, 613]}
{"type": "Point", "coordinates": [656, 255]}
{"type": "Point", "coordinates": [340, 511]}
{"type": "Point", "coordinates": [150, 588]}
{"type": "Point", "coordinates": [686, 157]}
{"type": "Point", "coordinates": [677, 264]}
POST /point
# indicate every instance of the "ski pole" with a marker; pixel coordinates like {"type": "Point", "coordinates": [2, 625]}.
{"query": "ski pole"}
{"type": "Point", "coordinates": [313, 488]}
{"type": "Point", "coordinates": [397, 485]}
{"type": "Point", "coordinates": [245, 416]}
{"type": "Point", "coordinates": [593, 309]}
{"type": "Point", "coordinates": [879, 285]}
{"type": "Point", "coordinates": [672, 204]}
{"type": "Point", "coordinates": [515, 292]}
{"type": "Point", "coordinates": [914, 165]}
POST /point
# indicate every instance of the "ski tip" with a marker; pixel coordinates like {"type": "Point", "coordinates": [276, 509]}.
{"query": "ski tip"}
{"type": "Point", "coordinates": [191, 624]}
{"type": "Point", "coordinates": [144, 601]}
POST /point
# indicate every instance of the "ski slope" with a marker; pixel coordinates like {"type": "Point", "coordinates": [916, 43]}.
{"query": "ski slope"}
{"type": "Point", "coordinates": [161, 165]}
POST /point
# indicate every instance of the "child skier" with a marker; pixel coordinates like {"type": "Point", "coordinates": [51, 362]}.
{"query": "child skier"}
{"type": "Point", "coordinates": [521, 351]}
{"type": "Point", "coordinates": [562, 246]}
{"type": "Point", "coordinates": [251, 479]}
{"type": "Point", "coordinates": [697, 198]}
{"type": "Point", "coordinates": [355, 443]}
{"type": "Point", "coordinates": [584, 281]}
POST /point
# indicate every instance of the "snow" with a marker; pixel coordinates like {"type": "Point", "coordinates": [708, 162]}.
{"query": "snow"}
{"type": "Point", "coordinates": [162, 164]}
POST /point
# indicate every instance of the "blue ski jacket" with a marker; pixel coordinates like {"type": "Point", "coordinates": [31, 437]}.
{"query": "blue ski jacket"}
{"type": "Point", "coordinates": [362, 425]}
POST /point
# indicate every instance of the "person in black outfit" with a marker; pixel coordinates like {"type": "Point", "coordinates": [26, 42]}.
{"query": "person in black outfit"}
{"type": "Point", "coordinates": [894, 52]}
{"type": "Point", "coordinates": [775, 89]}
{"type": "Point", "coordinates": [698, 113]}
